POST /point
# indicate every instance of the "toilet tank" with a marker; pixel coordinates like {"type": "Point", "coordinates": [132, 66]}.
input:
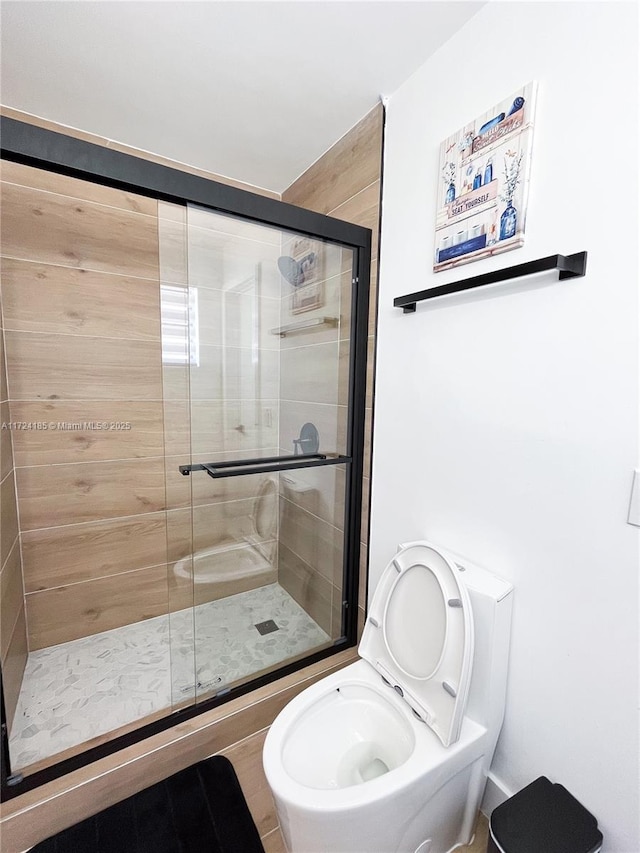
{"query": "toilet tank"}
{"type": "Point", "coordinates": [491, 601]}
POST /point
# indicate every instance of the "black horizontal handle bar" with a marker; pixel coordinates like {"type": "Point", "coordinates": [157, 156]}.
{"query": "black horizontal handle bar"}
{"type": "Point", "coordinates": [259, 460]}
{"type": "Point", "coordinates": [570, 266]}
{"type": "Point", "coordinates": [261, 466]}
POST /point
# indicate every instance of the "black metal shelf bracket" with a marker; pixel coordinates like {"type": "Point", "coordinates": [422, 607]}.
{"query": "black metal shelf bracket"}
{"type": "Point", "coordinates": [570, 266]}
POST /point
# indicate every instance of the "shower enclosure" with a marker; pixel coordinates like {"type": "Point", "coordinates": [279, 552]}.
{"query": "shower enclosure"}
{"type": "Point", "coordinates": [183, 412]}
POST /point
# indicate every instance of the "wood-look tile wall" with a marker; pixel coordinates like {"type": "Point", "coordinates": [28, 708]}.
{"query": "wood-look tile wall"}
{"type": "Point", "coordinates": [13, 635]}
{"type": "Point", "coordinates": [345, 182]}
{"type": "Point", "coordinates": [224, 406]}
{"type": "Point", "coordinates": [82, 327]}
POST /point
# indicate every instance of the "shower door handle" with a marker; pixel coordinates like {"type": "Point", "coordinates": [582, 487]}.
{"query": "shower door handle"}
{"type": "Point", "coordinates": [264, 465]}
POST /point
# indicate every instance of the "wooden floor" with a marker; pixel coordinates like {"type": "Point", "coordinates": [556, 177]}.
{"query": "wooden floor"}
{"type": "Point", "coordinates": [273, 842]}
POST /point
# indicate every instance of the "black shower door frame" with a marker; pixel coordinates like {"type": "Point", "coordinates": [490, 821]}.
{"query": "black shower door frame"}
{"type": "Point", "coordinates": [55, 152]}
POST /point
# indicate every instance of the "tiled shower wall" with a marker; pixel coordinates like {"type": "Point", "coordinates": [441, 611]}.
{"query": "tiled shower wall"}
{"type": "Point", "coordinates": [84, 344]}
{"type": "Point", "coordinates": [105, 513]}
{"type": "Point", "coordinates": [225, 404]}
{"type": "Point", "coordinates": [82, 327]}
{"type": "Point", "coordinates": [13, 635]}
{"type": "Point", "coordinates": [345, 183]}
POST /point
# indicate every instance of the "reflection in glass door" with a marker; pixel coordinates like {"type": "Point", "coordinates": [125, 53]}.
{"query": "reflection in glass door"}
{"type": "Point", "coordinates": [267, 418]}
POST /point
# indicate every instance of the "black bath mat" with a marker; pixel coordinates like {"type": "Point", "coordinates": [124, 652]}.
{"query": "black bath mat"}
{"type": "Point", "coordinates": [199, 809]}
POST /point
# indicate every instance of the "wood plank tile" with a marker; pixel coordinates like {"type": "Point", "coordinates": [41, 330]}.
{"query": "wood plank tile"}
{"type": "Point", "coordinates": [351, 164]}
{"type": "Point", "coordinates": [215, 258]}
{"type": "Point", "coordinates": [319, 491]}
{"type": "Point", "coordinates": [68, 612]}
{"type": "Point", "coordinates": [41, 179]}
{"type": "Point", "coordinates": [316, 542]}
{"type": "Point", "coordinates": [232, 319]}
{"type": "Point", "coordinates": [307, 586]}
{"type": "Point", "coordinates": [246, 758]}
{"type": "Point", "coordinates": [337, 304]}
{"type": "Point", "coordinates": [71, 367]}
{"type": "Point", "coordinates": [184, 593]}
{"type": "Point", "coordinates": [8, 516]}
{"type": "Point", "coordinates": [357, 208]}
{"type": "Point", "coordinates": [171, 212]}
{"type": "Point", "coordinates": [363, 209]}
{"type": "Point", "coordinates": [172, 246]}
{"type": "Point", "coordinates": [6, 448]}
{"type": "Point", "coordinates": [231, 521]}
{"type": "Point", "coordinates": [13, 666]}
{"type": "Point", "coordinates": [4, 392]}
{"type": "Point", "coordinates": [54, 495]}
{"type": "Point", "coordinates": [230, 373]}
{"type": "Point", "coordinates": [175, 383]}
{"type": "Point", "coordinates": [311, 374]}
{"type": "Point", "coordinates": [58, 556]}
{"type": "Point", "coordinates": [241, 426]}
{"type": "Point", "coordinates": [331, 422]}
{"type": "Point", "coordinates": [11, 597]}
{"type": "Point", "coordinates": [45, 298]}
{"type": "Point", "coordinates": [273, 842]}
{"type": "Point", "coordinates": [54, 229]}
{"type": "Point", "coordinates": [200, 489]}
{"type": "Point", "coordinates": [72, 433]}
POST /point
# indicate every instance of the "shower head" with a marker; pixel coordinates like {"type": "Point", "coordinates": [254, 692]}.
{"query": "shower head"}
{"type": "Point", "coordinates": [294, 271]}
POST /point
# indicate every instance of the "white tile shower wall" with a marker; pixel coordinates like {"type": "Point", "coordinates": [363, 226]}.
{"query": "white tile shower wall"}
{"type": "Point", "coordinates": [507, 421]}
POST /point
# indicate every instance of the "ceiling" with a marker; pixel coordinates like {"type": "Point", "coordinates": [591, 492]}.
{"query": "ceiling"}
{"type": "Point", "coordinates": [256, 91]}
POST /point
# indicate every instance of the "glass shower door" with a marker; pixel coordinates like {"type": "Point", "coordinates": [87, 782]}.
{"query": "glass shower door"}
{"type": "Point", "coordinates": [268, 352]}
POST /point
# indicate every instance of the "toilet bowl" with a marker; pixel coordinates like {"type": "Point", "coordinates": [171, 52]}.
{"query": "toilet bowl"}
{"type": "Point", "coordinates": [392, 752]}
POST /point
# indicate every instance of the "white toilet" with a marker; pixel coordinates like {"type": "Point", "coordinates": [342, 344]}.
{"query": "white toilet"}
{"type": "Point", "coordinates": [392, 752]}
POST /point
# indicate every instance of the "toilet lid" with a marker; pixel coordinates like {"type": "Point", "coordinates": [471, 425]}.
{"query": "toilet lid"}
{"type": "Point", "coordinates": [419, 636]}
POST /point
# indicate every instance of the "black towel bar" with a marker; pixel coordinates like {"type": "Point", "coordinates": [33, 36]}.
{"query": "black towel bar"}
{"type": "Point", "coordinates": [238, 467]}
{"type": "Point", "coordinates": [570, 266]}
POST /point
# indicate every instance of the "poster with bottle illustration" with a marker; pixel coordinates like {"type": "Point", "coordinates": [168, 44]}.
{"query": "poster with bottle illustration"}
{"type": "Point", "coordinates": [483, 183]}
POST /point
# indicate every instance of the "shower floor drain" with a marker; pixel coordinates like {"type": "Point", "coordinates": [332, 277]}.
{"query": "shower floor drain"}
{"type": "Point", "coordinates": [266, 627]}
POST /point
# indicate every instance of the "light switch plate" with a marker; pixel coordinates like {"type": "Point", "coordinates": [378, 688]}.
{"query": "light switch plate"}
{"type": "Point", "coordinates": [634, 503]}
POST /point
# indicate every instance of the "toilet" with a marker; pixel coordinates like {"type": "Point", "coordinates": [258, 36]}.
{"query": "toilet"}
{"type": "Point", "coordinates": [392, 752]}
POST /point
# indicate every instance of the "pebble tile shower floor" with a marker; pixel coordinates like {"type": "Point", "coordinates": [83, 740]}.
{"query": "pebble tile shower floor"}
{"type": "Point", "coordinates": [88, 687]}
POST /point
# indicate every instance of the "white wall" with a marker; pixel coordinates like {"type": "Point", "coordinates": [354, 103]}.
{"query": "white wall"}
{"type": "Point", "coordinates": [506, 421]}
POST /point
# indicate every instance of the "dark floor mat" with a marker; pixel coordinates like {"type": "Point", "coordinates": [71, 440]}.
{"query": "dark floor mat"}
{"type": "Point", "coordinates": [199, 809]}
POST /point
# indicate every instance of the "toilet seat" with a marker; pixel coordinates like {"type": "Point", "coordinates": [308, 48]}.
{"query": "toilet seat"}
{"type": "Point", "coordinates": [419, 636]}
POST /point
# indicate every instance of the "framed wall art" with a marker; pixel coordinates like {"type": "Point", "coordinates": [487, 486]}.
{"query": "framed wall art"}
{"type": "Point", "coordinates": [483, 183]}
